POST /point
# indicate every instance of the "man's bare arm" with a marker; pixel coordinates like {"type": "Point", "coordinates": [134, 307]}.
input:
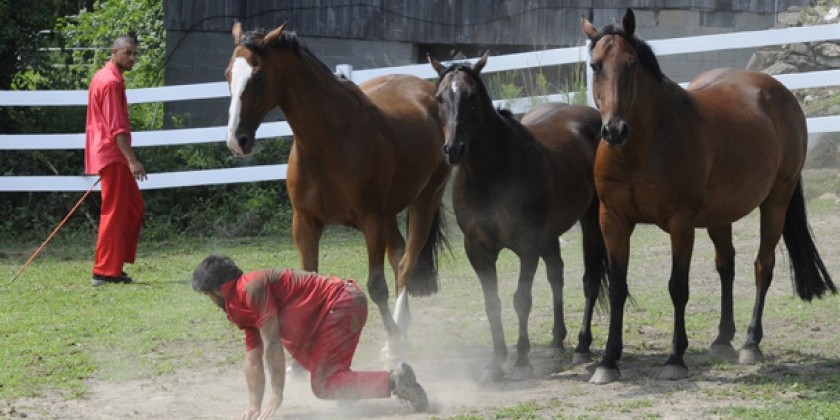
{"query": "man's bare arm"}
{"type": "Point", "coordinates": [134, 164]}
{"type": "Point", "coordinates": [276, 359]}
{"type": "Point", "coordinates": [255, 379]}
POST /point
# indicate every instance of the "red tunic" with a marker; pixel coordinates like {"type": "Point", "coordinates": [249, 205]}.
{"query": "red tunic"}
{"type": "Point", "coordinates": [321, 319]}
{"type": "Point", "coordinates": [300, 299]}
{"type": "Point", "coordinates": [107, 116]}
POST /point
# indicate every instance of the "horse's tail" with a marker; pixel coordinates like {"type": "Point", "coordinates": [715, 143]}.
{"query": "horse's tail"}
{"type": "Point", "coordinates": [425, 279]}
{"type": "Point", "coordinates": [595, 261]}
{"type": "Point", "coordinates": [810, 278]}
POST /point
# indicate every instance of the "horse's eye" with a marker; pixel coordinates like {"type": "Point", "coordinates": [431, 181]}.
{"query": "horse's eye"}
{"type": "Point", "coordinates": [439, 98]}
{"type": "Point", "coordinates": [596, 67]}
{"type": "Point", "coordinates": [631, 65]}
{"type": "Point", "coordinates": [258, 77]}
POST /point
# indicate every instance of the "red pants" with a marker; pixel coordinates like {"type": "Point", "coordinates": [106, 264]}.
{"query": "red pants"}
{"type": "Point", "coordinates": [333, 348]}
{"type": "Point", "coordinates": [119, 222]}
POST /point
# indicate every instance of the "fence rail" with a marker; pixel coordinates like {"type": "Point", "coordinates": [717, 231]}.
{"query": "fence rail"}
{"type": "Point", "coordinates": [737, 40]}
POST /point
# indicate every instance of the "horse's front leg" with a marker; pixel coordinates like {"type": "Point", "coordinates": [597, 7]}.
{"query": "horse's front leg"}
{"type": "Point", "coordinates": [378, 290]}
{"type": "Point", "coordinates": [522, 303]}
{"type": "Point", "coordinates": [721, 237]}
{"type": "Point", "coordinates": [483, 261]}
{"type": "Point", "coordinates": [616, 233]}
{"type": "Point", "coordinates": [682, 245]}
{"type": "Point", "coordinates": [307, 232]}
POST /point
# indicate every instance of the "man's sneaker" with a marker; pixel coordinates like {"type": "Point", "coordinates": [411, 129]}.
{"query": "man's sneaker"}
{"type": "Point", "coordinates": [407, 389]}
{"type": "Point", "coordinates": [100, 280]}
{"type": "Point", "coordinates": [124, 278]}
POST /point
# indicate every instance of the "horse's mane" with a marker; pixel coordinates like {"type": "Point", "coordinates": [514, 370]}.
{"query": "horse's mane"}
{"type": "Point", "coordinates": [252, 40]}
{"type": "Point", "coordinates": [506, 115]}
{"type": "Point", "coordinates": [646, 56]}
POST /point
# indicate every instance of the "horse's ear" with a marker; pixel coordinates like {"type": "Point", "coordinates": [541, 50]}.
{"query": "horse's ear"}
{"type": "Point", "coordinates": [629, 22]}
{"type": "Point", "coordinates": [439, 68]}
{"type": "Point", "coordinates": [588, 28]}
{"type": "Point", "coordinates": [481, 62]}
{"type": "Point", "coordinates": [274, 35]}
{"type": "Point", "coordinates": [236, 32]}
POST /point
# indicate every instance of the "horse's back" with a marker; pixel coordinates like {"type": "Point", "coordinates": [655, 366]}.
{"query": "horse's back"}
{"type": "Point", "coordinates": [755, 110]}
{"type": "Point", "coordinates": [401, 95]}
{"type": "Point", "coordinates": [567, 136]}
{"type": "Point", "coordinates": [565, 127]}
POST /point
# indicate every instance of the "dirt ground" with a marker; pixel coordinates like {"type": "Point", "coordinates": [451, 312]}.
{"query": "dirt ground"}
{"type": "Point", "coordinates": [559, 389]}
{"type": "Point", "coordinates": [799, 351]}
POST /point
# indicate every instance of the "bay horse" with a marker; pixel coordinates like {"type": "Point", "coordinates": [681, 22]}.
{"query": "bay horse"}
{"type": "Point", "coordinates": [360, 155]}
{"type": "Point", "coordinates": [519, 186]}
{"type": "Point", "coordinates": [701, 157]}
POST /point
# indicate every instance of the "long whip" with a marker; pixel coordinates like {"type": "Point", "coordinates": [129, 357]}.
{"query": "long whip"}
{"type": "Point", "coordinates": [49, 238]}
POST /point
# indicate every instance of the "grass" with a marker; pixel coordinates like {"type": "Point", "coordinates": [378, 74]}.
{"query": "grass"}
{"type": "Point", "coordinates": [58, 332]}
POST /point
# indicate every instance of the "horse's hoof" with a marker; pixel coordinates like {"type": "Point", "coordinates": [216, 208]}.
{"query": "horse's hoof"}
{"type": "Point", "coordinates": [604, 375]}
{"type": "Point", "coordinates": [491, 373]}
{"type": "Point", "coordinates": [673, 372]}
{"type": "Point", "coordinates": [723, 351]}
{"type": "Point", "coordinates": [750, 356]}
{"type": "Point", "coordinates": [521, 373]}
{"type": "Point", "coordinates": [581, 358]}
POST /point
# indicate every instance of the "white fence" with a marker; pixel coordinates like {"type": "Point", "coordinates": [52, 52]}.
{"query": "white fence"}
{"type": "Point", "coordinates": [751, 39]}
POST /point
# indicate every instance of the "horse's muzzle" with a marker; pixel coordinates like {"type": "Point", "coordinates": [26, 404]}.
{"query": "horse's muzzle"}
{"type": "Point", "coordinates": [454, 153]}
{"type": "Point", "coordinates": [615, 133]}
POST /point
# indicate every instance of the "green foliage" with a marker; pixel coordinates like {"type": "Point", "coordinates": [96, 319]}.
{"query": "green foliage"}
{"type": "Point", "coordinates": [503, 85]}
{"type": "Point", "coordinates": [83, 38]}
{"type": "Point", "coordinates": [536, 84]}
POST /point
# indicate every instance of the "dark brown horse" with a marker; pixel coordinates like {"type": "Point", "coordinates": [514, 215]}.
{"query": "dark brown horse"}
{"type": "Point", "coordinates": [704, 156]}
{"type": "Point", "coordinates": [361, 155]}
{"type": "Point", "coordinates": [519, 187]}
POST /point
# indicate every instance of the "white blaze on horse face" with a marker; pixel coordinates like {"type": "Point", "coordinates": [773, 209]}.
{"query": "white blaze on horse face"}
{"type": "Point", "coordinates": [454, 87]}
{"type": "Point", "coordinates": [239, 76]}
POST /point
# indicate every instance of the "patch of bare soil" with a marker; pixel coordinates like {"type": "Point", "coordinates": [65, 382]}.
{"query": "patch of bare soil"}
{"type": "Point", "coordinates": [450, 345]}
{"type": "Point", "coordinates": [558, 388]}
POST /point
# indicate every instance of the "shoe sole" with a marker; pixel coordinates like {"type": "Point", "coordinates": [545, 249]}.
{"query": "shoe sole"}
{"type": "Point", "coordinates": [412, 392]}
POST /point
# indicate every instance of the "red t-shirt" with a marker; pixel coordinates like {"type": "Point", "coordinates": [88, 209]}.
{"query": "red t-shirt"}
{"type": "Point", "coordinates": [300, 299]}
{"type": "Point", "coordinates": [107, 116]}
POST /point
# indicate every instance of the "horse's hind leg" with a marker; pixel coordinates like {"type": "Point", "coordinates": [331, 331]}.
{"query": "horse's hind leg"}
{"type": "Point", "coordinates": [374, 231]}
{"type": "Point", "coordinates": [721, 237]}
{"type": "Point", "coordinates": [772, 223]}
{"type": "Point", "coordinates": [595, 265]}
{"type": "Point", "coordinates": [554, 272]}
{"type": "Point", "coordinates": [483, 261]}
{"type": "Point", "coordinates": [522, 303]}
{"type": "Point", "coordinates": [423, 218]}
{"type": "Point", "coordinates": [395, 248]}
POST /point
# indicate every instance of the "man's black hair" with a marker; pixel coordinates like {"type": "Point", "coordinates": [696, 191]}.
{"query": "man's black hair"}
{"type": "Point", "coordinates": [213, 272]}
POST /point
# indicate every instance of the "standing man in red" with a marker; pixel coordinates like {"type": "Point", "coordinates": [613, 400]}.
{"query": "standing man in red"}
{"type": "Point", "coordinates": [318, 319]}
{"type": "Point", "coordinates": [108, 154]}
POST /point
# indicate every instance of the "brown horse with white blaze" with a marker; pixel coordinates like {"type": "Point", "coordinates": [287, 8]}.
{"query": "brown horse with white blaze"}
{"type": "Point", "coordinates": [361, 155]}
{"type": "Point", "coordinates": [705, 157]}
